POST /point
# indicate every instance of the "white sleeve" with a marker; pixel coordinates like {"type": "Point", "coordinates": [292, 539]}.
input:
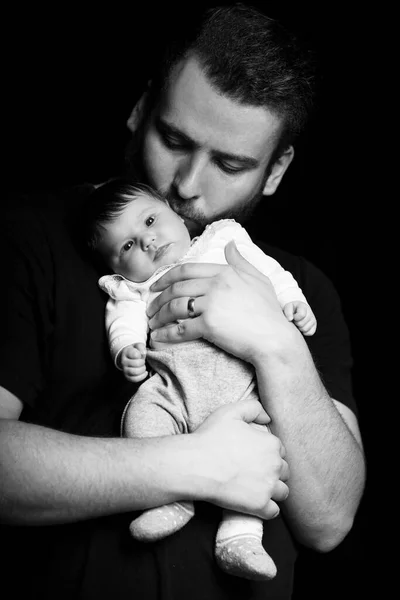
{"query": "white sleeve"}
{"type": "Point", "coordinates": [126, 324]}
{"type": "Point", "coordinates": [285, 285]}
{"type": "Point", "coordinates": [219, 233]}
{"type": "Point", "coordinates": [125, 316]}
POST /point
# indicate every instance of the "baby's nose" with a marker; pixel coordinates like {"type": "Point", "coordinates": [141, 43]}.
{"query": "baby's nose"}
{"type": "Point", "coordinates": [147, 241]}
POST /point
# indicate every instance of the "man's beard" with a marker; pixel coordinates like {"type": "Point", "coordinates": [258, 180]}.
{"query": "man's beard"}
{"type": "Point", "coordinates": [195, 219]}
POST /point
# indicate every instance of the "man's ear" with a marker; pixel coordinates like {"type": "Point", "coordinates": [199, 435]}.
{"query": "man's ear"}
{"type": "Point", "coordinates": [278, 170]}
{"type": "Point", "coordinates": [138, 111]}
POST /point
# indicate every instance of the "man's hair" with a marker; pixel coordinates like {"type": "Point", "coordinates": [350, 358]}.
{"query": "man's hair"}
{"type": "Point", "coordinates": [107, 202]}
{"type": "Point", "coordinates": [249, 57]}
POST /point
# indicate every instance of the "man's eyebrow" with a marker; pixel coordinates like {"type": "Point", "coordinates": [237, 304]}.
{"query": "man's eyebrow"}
{"type": "Point", "coordinates": [247, 161]}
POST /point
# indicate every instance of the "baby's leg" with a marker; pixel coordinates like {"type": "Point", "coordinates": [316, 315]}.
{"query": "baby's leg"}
{"type": "Point", "coordinates": [146, 417]}
{"type": "Point", "coordinates": [239, 550]}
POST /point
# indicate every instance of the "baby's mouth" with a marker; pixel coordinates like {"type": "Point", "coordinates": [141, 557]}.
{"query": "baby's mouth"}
{"type": "Point", "coordinates": [161, 251]}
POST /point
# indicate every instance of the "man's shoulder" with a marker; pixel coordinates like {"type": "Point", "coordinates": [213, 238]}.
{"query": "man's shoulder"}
{"type": "Point", "coordinates": [45, 228]}
{"type": "Point", "coordinates": [310, 277]}
{"type": "Point", "coordinates": [44, 202]}
{"type": "Point", "coordinates": [286, 259]}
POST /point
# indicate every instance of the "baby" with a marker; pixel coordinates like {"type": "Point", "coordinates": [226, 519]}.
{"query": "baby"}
{"type": "Point", "coordinates": [140, 237]}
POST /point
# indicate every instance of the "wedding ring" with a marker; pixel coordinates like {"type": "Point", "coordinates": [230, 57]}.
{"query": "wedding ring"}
{"type": "Point", "coordinates": [190, 308]}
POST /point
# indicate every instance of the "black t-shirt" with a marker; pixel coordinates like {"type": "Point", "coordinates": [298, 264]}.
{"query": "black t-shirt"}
{"type": "Point", "coordinates": [54, 356]}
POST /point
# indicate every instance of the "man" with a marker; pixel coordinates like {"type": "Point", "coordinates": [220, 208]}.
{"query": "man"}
{"type": "Point", "coordinates": [214, 151]}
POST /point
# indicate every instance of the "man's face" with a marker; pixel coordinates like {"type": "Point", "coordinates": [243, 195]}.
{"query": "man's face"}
{"type": "Point", "coordinates": [145, 236]}
{"type": "Point", "coordinates": [207, 154]}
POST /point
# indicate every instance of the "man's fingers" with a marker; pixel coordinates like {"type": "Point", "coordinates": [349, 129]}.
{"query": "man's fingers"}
{"type": "Point", "coordinates": [185, 272]}
{"type": "Point", "coordinates": [177, 309]}
{"type": "Point", "coordinates": [181, 291]}
{"type": "Point", "coordinates": [185, 331]}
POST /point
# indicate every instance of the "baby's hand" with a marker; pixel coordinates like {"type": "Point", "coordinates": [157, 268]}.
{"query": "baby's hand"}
{"type": "Point", "coordinates": [133, 362]}
{"type": "Point", "coordinates": [302, 316]}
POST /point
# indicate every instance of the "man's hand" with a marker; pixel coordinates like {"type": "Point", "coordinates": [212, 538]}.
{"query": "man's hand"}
{"type": "Point", "coordinates": [244, 462]}
{"type": "Point", "coordinates": [302, 316]}
{"type": "Point", "coordinates": [235, 307]}
{"type": "Point", "coordinates": [133, 362]}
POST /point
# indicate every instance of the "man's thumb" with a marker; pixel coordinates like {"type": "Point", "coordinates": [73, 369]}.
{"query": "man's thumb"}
{"type": "Point", "coordinates": [233, 256]}
{"type": "Point", "coordinates": [235, 259]}
{"type": "Point", "coordinates": [252, 411]}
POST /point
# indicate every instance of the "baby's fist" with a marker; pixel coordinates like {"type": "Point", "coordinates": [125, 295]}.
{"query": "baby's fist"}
{"type": "Point", "coordinates": [133, 362]}
{"type": "Point", "coordinates": [302, 316]}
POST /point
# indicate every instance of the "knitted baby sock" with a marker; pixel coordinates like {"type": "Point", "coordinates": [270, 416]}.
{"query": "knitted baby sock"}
{"type": "Point", "coordinates": [156, 523]}
{"type": "Point", "coordinates": [239, 550]}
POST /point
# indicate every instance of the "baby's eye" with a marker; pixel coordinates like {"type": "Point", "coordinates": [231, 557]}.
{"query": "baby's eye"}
{"type": "Point", "coordinates": [127, 246]}
{"type": "Point", "coordinates": [150, 221]}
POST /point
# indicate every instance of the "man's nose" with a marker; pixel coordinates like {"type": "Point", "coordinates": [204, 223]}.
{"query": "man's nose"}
{"type": "Point", "coordinates": [188, 177]}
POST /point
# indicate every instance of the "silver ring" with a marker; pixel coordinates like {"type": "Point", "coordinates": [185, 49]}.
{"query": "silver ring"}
{"type": "Point", "coordinates": [190, 308]}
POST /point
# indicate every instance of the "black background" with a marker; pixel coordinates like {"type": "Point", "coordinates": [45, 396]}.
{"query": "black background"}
{"type": "Point", "coordinates": [70, 78]}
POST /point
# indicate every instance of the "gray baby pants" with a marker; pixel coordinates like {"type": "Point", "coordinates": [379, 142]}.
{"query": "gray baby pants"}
{"type": "Point", "coordinates": [190, 381]}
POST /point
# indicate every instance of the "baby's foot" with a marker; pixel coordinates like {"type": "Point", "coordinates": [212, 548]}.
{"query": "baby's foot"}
{"type": "Point", "coordinates": [156, 523]}
{"type": "Point", "coordinates": [244, 556]}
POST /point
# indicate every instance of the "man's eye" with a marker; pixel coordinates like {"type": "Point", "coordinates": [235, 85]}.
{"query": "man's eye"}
{"type": "Point", "coordinates": [228, 169]}
{"type": "Point", "coordinates": [150, 221]}
{"type": "Point", "coordinates": [173, 143]}
{"type": "Point", "coordinates": [127, 246]}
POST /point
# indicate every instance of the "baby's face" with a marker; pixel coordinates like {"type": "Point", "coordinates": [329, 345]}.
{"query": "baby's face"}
{"type": "Point", "coordinates": [146, 235]}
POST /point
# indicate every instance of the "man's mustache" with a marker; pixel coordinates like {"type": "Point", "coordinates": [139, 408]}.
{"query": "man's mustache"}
{"type": "Point", "coordinates": [184, 208]}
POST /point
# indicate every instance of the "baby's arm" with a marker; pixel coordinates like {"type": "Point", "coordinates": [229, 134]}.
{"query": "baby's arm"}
{"type": "Point", "coordinates": [302, 316]}
{"type": "Point", "coordinates": [289, 294]}
{"type": "Point", "coordinates": [127, 327]}
{"type": "Point", "coordinates": [132, 361]}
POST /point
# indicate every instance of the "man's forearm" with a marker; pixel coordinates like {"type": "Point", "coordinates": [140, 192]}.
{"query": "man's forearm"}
{"type": "Point", "coordinates": [49, 477]}
{"type": "Point", "coordinates": [327, 469]}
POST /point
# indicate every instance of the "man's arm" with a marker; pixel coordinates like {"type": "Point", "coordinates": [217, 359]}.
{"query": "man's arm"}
{"type": "Point", "coordinates": [49, 477]}
{"type": "Point", "coordinates": [323, 444]}
{"type": "Point", "coordinates": [238, 310]}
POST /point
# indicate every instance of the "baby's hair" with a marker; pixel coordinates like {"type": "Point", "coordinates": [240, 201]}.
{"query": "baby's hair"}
{"type": "Point", "coordinates": [108, 201]}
